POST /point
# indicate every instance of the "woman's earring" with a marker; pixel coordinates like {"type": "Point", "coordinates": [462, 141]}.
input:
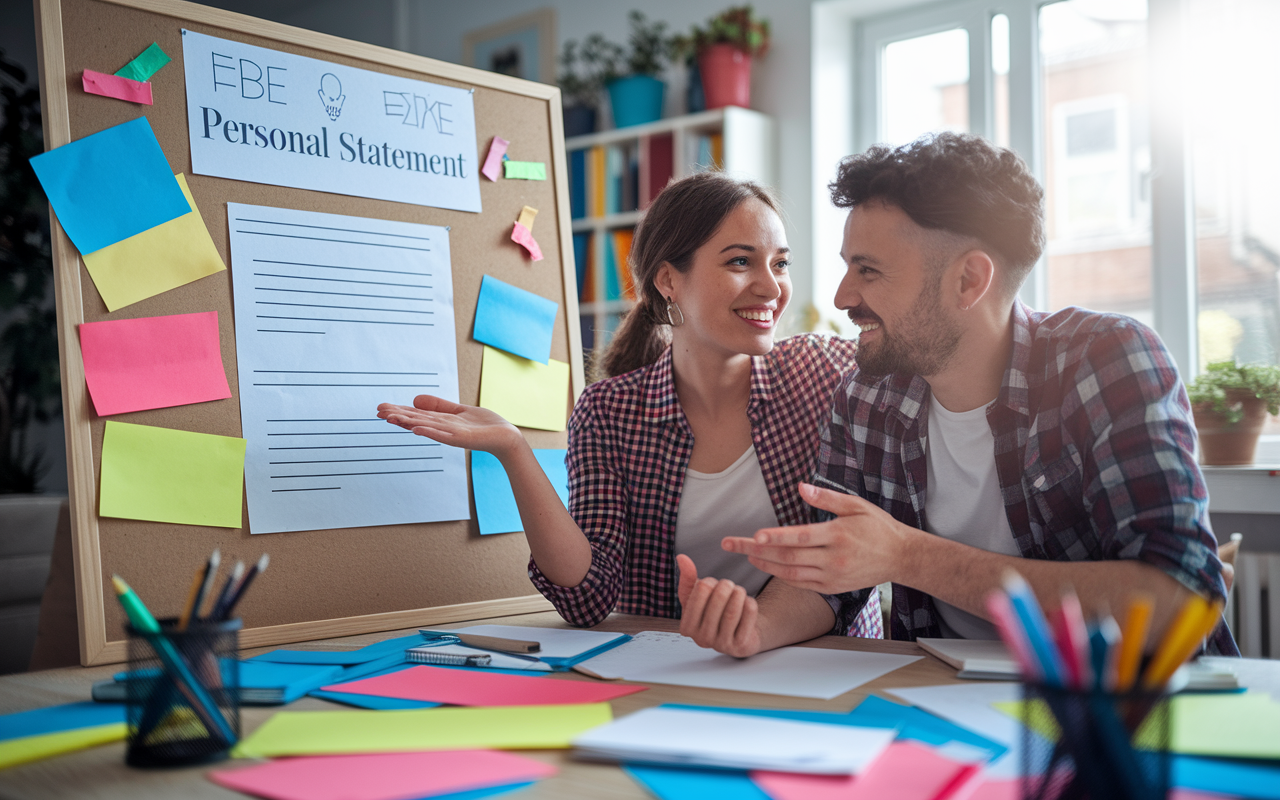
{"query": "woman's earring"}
{"type": "Point", "coordinates": [671, 318]}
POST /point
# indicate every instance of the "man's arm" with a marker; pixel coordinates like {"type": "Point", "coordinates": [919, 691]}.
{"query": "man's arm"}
{"type": "Point", "coordinates": [864, 546]}
{"type": "Point", "coordinates": [717, 613]}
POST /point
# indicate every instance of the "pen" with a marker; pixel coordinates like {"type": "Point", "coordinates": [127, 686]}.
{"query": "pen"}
{"type": "Point", "coordinates": [253, 572]}
{"type": "Point", "coordinates": [1133, 639]}
{"type": "Point", "coordinates": [1072, 639]}
{"type": "Point", "coordinates": [237, 572]}
{"type": "Point", "coordinates": [1200, 626]}
{"type": "Point", "coordinates": [199, 588]}
{"type": "Point", "coordinates": [1007, 624]}
{"type": "Point", "coordinates": [507, 646]}
{"type": "Point", "coordinates": [1182, 627]}
{"type": "Point", "coordinates": [1104, 638]}
{"type": "Point", "coordinates": [177, 669]}
{"type": "Point", "coordinates": [1033, 622]}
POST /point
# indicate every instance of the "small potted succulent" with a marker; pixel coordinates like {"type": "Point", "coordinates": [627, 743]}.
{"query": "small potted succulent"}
{"type": "Point", "coordinates": [584, 68]}
{"type": "Point", "coordinates": [635, 91]}
{"type": "Point", "coordinates": [1230, 403]}
{"type": "Point", "coordinates": [724, 51]}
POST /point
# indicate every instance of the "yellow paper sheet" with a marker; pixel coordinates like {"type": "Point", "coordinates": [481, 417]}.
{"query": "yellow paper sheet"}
{"type": "Point", "coordinates": [154, 261]}
{"type": "Point", "coordinates": [291, 733]}
{"type": "Point", "coordinates": [34, 748]}
{"type": "Point", "coordinates": [526, 393]}
{"type": "Point", "coordinates": [527, 215]}
{"type": "Point", "coordinates": [1230, 725]}
{"type": "Point", "coordinates": [165, 475]}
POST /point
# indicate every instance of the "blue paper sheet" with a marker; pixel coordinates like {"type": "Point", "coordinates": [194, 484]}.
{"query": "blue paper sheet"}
{"type": "Point", "coordinates": [1252, 779]}
{"type": "Point", "coordinates": [371, 701]}
{"type": "Point", "coordinates": [59, 718]}
{"type": "Point", "coordinates": [514, 320]}
{"type": "Point", "coordinates": [478, 794]}
{"type": "Point", "coordinates": [110, 185]}
{"type": "Point", "coordinates": [345, 657]}
{"type": "Point", "coordinates": [679, 783]}
{"type": "Point", "coordinates": [496, 509]}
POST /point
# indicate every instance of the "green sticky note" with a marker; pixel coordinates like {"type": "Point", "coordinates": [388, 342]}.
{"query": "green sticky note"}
{"type": "Point", "coordinates": [165, 475]}
{"type": "Point", "coordinates": [145, 65]}
{"type": "Point", "coordinates": [34, 748]}
{"type": "Point", "coordinates": [526, 393]}
{"type": "Point", "coordinates": [525, 170]}
{"type": "Point", "coordinates": [295, 733]}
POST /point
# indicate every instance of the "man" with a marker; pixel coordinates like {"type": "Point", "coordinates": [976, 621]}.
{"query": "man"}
{"type": "Point", "coordinates": [976, 435]}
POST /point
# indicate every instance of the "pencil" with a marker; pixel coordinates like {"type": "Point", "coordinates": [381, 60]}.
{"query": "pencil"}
{"type": "Point", "coordinates": [253, 572]}
{"type": "Point", "coordinates": [237, 572]}
{"type": "Point", "coordinates": [199, 588]}
{"type": "Point", "coordinates": [1136, 623]}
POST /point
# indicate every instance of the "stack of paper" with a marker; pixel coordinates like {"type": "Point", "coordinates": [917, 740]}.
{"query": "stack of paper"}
{"type": "Point", "coordinates": [43, 732]}
{"type": "Point", "coordinates": [734, 741]}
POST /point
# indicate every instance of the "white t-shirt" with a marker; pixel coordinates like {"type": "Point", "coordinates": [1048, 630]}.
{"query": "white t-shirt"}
{"type": "Point", "coordinates": [734, 502]}
{"type": "Point", "coordinates": [963, 502]}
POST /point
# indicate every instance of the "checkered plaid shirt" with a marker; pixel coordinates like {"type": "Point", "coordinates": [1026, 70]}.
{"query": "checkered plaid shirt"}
{"type": "Point", "coordinates": [629, 447]}
{"type": "Point", "coordinates": [1094, 445]}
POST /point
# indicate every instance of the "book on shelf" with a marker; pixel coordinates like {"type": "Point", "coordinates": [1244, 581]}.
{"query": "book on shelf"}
{"type": "Point", "coordinates": [577, 184]}
{"type": "Point", "coordinates": [657, 157]}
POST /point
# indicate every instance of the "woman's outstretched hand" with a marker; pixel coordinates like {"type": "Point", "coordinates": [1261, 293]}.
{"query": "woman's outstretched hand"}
{"type": "Point", "coordinates": [454, 424]}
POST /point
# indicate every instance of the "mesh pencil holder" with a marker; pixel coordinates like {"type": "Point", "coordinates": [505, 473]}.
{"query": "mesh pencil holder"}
{"type": "Point", "coordinates": [1091, 744]}
{"type": "Point", "coordinates": [183, 693]}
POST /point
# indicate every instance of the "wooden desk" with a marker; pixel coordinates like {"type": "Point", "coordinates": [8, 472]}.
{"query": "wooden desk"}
{"type": "Point", "coordinates": [101, 773]}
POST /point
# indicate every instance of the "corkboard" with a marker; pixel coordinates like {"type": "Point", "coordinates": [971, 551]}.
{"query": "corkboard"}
{"type": "Point", "coordinates": [320, 583]}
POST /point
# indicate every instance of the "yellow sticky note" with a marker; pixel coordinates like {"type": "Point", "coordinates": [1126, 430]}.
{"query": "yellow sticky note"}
{"type": "Point", "coordinates": [527, 215]}
{"type": "Point", "coordinates": [34, 748]}
{"type": "Point", "coordinates": [157, 260]}
{"type": "Point", "coordinates": [526, 393]}
{"type": "Point", "coordinates": [165, 475]}
{"type": "Point", "coordinates": [293, 733]}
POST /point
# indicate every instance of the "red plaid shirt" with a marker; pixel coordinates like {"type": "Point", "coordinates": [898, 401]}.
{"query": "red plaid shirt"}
{"type": "Point", "coordinates": [629, 448]}
{"type": "Point", "coordinates": [1094, 445]}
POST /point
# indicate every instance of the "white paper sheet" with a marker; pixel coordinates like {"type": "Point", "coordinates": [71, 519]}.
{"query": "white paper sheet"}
{"type": "Point", "coordinates": [970, 705]}
{"type": "Point", "coordinates": [735, 741]}
{"type": "Point", "coordinates": [660, 657]}
{"type": "Point", "coordinates": [266, 116]}
{"type": "Point", "coordinates": [1254, 674]}
{"type": "Point", "coordinates": [335, 315]}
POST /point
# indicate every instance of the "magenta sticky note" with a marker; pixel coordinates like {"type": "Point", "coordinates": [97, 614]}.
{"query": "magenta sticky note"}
{"type": "Point", "coordinates": [153, 362]}
{"type": "Point", "coordinates": [904, 771]}
{"type": "Point", "coordinates": [493, 162]}
{"type": "Point", "coordinates": [464, 687]}
{"type": "Point", "coordinates": [116, 87]}
{"type": "Point", "coordinates": [524, 237]}
{"type": "Point", "coordinates": [382, 776]}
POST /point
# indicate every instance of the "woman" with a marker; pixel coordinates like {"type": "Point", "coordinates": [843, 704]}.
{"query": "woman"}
{"type": "Point", "coordinates": [703, 430]}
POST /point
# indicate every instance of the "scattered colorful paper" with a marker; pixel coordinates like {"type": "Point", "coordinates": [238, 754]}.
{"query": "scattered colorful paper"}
{"type": "Point", "coordinates": [526, 393]}
{"type": "Point", "coordinates": [147, 63]}
{"type": "Point", "coordinates": [54, 719]}
{"type": "Point", "coordinates": [524, 170]}
{"type": "Point", "coordinates": [34, 748]}
{"type": "Point", "coordinates": [524, 237]}
{"type": "Point", "coordinates": [512, 319]}
{"type": "Point", "coordinates": [116, 87]}
{"type": "Point", "coordinates": [496, 510]}
{"type": "Point", "coordinates": [493, 161]}
{"type": "Point", "coordinates": [904, 771]}
{"type": "Point", "coordinates": [527, 215]}
{"type": "Point", "coordinates": [461, 687]}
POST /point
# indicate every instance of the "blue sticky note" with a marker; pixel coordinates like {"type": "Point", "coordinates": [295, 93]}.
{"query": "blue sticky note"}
{"type": "Point", "coordinates": [496, 509]}
{"type": "Point", "coordinates": [679, 783]}
{"type": "Point", "coordinates": [110, 185]}
{"type": "Point", "coordinates": [1253, 779]}
{"type": "Point", "coordinates": [364, 655]}
{"type": "Point", "coordinates": [59, 718]}
{"type": "Point", "coordinates": [514, 320]}
{"type": "Point", "coordinates": [478, 794]}
{"type": "Point", "coordinates": [371, 701]}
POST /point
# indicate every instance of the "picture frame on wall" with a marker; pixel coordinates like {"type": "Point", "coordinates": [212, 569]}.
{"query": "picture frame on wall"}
{"type": "Point", "coordinates": [522, 47]}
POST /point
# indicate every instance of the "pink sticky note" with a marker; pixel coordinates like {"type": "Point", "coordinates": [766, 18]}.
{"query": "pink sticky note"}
{"type": "Point", "coordinates": [117, 87]}
{"type": "Point", "coordinates": [524, 237]}
{"type": "Point", "coordinates": [904, 771]}
{"type": "Point", "coordinates": [462, 687]}
{"type": "Point", "coordinates": [153, 362]}
{"type": "Point", "coordinates": [382, 776]}
{"type": "Point", "coordinates": [493, 162]}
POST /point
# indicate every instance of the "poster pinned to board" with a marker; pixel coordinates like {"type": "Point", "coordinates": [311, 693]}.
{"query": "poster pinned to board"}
{"type": "Point", "coordinates": [265, 116]}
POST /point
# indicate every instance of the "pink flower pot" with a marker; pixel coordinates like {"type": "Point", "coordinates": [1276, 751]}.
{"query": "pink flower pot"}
{"type": "Point", "coordinates": [726, 76]}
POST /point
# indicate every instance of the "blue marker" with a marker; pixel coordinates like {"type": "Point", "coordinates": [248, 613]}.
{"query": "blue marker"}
{"type": "Point", "coordinates": [1104, 644]}
{"type": "Point", "coordinates": [1027, 609]}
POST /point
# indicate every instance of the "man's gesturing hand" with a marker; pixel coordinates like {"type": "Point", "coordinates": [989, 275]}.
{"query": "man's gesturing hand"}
{"type": "Point", "coordinates": [863, 546]}
{"type": "Point", "coordinates": [717, 613]}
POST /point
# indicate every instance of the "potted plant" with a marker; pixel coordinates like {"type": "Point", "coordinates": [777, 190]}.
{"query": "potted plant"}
{"type": "Point", "coordinates": [1230, 403]}
{"type": "Point", "coordinates": [583, 70]}
{"type": "Point", "coordinates": [635, 91]}
{"type": "Point", "coordinates": [724, 50]}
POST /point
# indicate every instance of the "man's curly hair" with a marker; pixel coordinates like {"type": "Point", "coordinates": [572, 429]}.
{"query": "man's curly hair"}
{"type": "Point", "coordinates": [958, 183]}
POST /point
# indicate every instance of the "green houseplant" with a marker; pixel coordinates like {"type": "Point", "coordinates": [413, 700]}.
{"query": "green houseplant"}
{"type": "Point", "coordinates": [30, 385]}
{"type": "Point", "coordinates": [1230, 403]}
{"type": "Point", "coordinates": [635, 91]}
{"type": "Point", "coordinates": [724, 50]}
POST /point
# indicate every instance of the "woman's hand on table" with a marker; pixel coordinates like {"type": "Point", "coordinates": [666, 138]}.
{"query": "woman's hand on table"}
{"type": "Point", "coordinates": [717, 613]}
{"type": "Point", "coordinates": [454, 424]}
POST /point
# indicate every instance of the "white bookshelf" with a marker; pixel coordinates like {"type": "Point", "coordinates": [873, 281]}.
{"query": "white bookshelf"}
{"type": "Point", "coordinates": [749, 152]}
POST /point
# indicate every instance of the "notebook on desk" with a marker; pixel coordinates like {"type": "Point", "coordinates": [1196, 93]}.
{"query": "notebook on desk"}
{"type": "Point", "coordinates": [559, 648]}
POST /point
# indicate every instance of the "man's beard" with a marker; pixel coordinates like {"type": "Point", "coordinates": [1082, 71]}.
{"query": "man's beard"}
{"type": "Point", "coordinates": [924, 345]}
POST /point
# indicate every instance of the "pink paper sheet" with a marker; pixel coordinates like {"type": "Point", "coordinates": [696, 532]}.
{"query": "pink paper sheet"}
{"type": "Point", "coordinates": [493, 162]}
{"type": "Point", "coordinates": [1011, 789]}
{"type": "Point", "coordinates": [117, 87]}
{"type": "Point", "coordinates": [904, 771]}
{"type": "Point", "coordinates": [524, 237]}
{"type": "Point", "coordinates": [461, 687]}
{"type": "Point", "coordinates": [382, 776]}
{"type": "Point", "coordinates": [153, 362]}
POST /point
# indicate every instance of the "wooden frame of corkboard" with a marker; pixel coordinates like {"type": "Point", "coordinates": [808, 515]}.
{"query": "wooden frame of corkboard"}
{"type": "Point", "coordinates": [321, 583]}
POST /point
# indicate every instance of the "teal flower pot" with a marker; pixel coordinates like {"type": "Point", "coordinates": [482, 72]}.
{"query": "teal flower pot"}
{"type": "Point", "coordinates": [636, 99]}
